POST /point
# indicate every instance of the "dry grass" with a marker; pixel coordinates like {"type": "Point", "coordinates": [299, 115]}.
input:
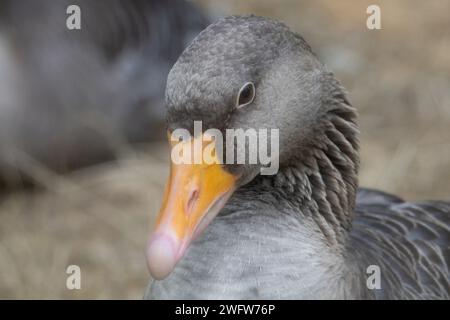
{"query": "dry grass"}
{"type": "Point", "coordinates": [398, 78]}
{"type": "Point", "coordinates": [97, 218]}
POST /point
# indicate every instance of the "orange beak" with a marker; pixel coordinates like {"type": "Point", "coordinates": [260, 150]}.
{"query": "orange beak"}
{"type": "Point", "coordinates": [195, 193]}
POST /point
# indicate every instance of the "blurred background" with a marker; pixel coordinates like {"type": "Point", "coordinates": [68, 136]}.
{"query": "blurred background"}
{"type": "Point", "coordinates": [82, 156]}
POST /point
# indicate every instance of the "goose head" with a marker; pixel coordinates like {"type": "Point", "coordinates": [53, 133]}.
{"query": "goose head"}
{"type": "Point", "coordinates": [243, 72]}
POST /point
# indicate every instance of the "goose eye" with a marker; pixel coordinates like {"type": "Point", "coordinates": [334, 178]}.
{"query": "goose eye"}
{"type": "Point", "coordinates": [246, 95]}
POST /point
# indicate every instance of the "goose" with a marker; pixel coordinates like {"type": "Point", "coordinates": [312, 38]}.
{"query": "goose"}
{"type": "Point", "coordinates": [73, 98]}
{"type": "Point", "coordinates": [225, 231]}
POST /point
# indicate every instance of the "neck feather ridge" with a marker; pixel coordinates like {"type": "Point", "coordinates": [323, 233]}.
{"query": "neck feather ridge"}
{"type": "Point", "coordinates": [322, 184]}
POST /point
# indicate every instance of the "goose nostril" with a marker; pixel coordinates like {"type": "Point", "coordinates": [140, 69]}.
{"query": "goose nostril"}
{"type": "Point", "coordinates": [192, 199]}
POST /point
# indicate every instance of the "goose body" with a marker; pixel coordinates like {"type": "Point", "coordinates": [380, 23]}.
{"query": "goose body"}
{"type": "Point", "coordinates": [307, 232]}
{"type": "Point", "coordinates": [272, 259]}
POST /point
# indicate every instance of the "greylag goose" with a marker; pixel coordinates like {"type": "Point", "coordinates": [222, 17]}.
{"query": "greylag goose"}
{"type": "Point", "coordinates": [306, 232]}
{"type": "Point", "coordinates": [71, 98]}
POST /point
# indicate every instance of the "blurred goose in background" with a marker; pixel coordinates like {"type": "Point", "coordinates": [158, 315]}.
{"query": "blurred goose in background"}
{"type": "Point", "coordinates": [71, 98]}
{"type": "Point", "coordinates": [307, 232]}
